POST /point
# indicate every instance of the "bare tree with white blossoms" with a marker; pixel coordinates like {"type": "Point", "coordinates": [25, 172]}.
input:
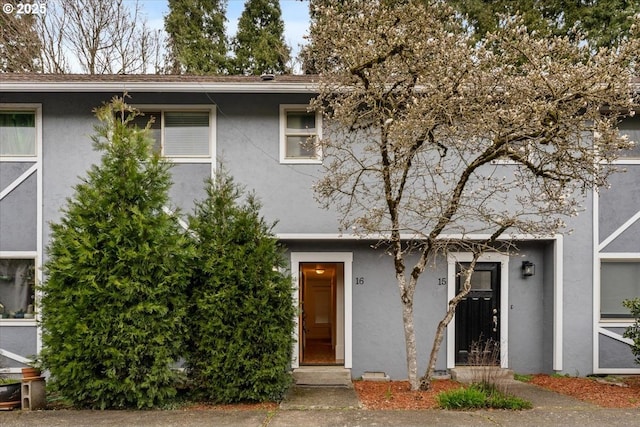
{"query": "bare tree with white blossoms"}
{"type": "Point", "coordinates": [433, 137]}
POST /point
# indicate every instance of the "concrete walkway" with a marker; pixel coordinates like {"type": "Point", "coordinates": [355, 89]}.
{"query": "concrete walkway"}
{"type": "Point", "coordinates": [339, 406]}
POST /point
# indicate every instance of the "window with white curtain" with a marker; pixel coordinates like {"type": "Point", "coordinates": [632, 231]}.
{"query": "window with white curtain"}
{"type": "Point", "coordinates": [619, 280]}
{"type": "Point", "coordinates": [17, 133]}
{"type": "Point", "coordinates": [179, 133]}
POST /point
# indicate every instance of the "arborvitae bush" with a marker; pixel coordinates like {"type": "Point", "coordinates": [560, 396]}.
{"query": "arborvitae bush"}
{"type": "Point", "coordinates": [241, 312]}
{"type": "Point", "coordinates": [114, 298]}
{"type": "Point", "coordinates": [633, 332]}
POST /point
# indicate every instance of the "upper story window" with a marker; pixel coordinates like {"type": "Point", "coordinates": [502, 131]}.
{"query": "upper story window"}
{"type": "Point", "coordinates": [630, 126]}
{"type": "Point", "coordinates": [300, 131]}
{"type": "Point", "coordinates": [180, 133]}
{"type": "Point", "coordinates": [18, 133]}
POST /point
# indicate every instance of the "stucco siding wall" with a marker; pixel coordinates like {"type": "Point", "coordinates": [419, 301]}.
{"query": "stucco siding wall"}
{"type": "Point", "coordinates": [530, 300]}
{"type": "Point", "coordinates": [617, 205]}
{"type": "Point", "coordinates": [614, 353]}
{"type": "Point", "coordinates": [188, 185]}
{"type": "Point", "coordinates": [577, 309]}
{"type": "Point", "coordinates": [20, 340]}
{"type": "Point", "coordinates": [248, 144]}
{"type": "Point", "coordinates": [18, 209]}
{"type": "Point", "coordinates": [378, 334]}
{"type": "Point", "coordinates": [67, 127]}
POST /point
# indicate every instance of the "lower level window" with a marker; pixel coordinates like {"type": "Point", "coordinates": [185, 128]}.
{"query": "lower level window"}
{"type": "Point", "coordinates": [618, 281]}
{"type": "Point", "coordinates": [17, 288]}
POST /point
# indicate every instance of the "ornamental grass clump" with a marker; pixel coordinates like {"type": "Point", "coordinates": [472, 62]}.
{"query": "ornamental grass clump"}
{"type": "Point", "coordinates": [478, 397]}
{"type": "Point", "coordinates": [487, 390]}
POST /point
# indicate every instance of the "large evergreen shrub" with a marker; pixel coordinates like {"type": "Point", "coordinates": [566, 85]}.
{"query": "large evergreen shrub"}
{"type": "Point", "coordinates": [633, 332]}
{"type": "Point", "coordinates": [114, 297]}
{"type": "Point", "coordinates": [241, 316]}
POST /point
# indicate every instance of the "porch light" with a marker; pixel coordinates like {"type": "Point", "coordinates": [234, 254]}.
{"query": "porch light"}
{"type": "Point", "coordinates": [319, 270]}
{"type": "Point", "coordinates": [528, 269]}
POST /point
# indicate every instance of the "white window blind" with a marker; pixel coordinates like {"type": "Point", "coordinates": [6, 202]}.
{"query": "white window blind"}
{"type": "Point", "coordinates": [186, 133]}
{"type": "Point", "coordinates": [618, 281]}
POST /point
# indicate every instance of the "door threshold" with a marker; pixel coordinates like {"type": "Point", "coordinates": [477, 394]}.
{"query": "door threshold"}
{"type": "Point", "coordinates": [322, 364]}
{"type": "Point", "coordinates": [471, 373]}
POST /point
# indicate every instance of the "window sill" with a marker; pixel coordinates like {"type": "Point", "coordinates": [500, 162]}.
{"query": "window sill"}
{"type": "Point", "coordinates": [18, 322]}
{"type": "Point", "coordinates": [612, 320]}
{"type": "Point", "coordinates": [199, 159]}
{"type": "Point", "coordinates": [301, 161]}
{"type": "Point", "coordinates": [18, 159]}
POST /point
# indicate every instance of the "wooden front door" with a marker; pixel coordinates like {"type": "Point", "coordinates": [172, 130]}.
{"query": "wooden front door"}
{"type": "Point", "coordinates": [318, 301]}
{"type": "Point", "coordinates": [478, 315]}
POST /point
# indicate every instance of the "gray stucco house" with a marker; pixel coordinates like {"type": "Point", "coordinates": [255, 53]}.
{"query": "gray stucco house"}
{"type": "Point", "coordinates": [556, 303]}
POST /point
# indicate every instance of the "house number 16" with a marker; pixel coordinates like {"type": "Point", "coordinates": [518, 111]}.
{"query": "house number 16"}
{"type": "Point", "coordinates": [360, 281]}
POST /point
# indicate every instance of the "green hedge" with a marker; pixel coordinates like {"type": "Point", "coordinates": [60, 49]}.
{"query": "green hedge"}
{"type": "Point", "coordinates": [241, 312]}
{"type": "Point", "coordinates": [116, 275]}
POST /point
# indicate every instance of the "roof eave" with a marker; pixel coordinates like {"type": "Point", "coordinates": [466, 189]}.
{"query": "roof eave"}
{"type": "Point", "coordinates": [194, 87]}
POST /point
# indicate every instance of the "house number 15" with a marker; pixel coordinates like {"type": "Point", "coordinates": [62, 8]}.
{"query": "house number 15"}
{"type": "Point", "coordinates": [359, 280]}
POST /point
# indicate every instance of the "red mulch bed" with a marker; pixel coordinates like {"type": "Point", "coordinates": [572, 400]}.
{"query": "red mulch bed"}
{"type": "Point", "coordinates": [614, 392]}
{"type": "Point", "coordinates": [397, 394]}
{"type": "Point", "coordinates": [619, 392]}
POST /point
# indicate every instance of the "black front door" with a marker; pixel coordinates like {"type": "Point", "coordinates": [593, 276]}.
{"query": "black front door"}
{"type": "Point", "coordinates": [478, 315]}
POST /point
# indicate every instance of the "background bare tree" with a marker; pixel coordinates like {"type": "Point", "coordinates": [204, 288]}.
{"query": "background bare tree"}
{"type": "Point", "coordinates": [100, 37]}
{"type": "Point", "coordinates": [434, 137]}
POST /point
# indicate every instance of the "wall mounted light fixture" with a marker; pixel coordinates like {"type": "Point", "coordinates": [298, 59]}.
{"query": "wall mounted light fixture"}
{"type": "Point", "coordinates": [528, 269]}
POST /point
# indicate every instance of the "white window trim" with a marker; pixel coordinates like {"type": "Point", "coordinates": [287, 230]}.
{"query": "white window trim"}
{"type": "Point", "coordinates": [599, 323]}
{"type": "Point", "coordinates": [37, 254]}
{"type": "Point", "coordinates": [453, 258]}
{"type": "Point", "coordinates": [284, 108]}
{"type": "Point", "coordinates": [37, 109]}
{"type": "Point", "coordinates": [144, 108]}
{"type": "Point", "coordinates": [602, 258]}
{"type": "Point", "coordinates": [347, 259]}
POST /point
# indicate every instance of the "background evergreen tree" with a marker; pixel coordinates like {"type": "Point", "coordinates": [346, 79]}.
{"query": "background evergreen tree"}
{"type": "Point", "coordinates": [241, 311]}
{"type": "Point", "coordinates": [604, 22]}
{"type": "Point", "coordinates": [259, 44]}
{"type": "Point", "coordinates": [19, 42]}
{"type": "Point", "coordinates": [114, 297]}
{"type": "Point", "coordinates": [197, 43]}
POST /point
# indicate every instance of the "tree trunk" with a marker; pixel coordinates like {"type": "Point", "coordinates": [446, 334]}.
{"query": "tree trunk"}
{"type": "Point", "coordinates": [425, 381]}
{"type": "Point", "coordinates": [410, 344]}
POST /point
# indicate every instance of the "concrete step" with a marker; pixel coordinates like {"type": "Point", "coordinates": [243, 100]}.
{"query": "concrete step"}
{"type": "Point", "coordinates": [322, 376]}
{"type": "Point", "coordinates": [474, 374]}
